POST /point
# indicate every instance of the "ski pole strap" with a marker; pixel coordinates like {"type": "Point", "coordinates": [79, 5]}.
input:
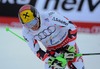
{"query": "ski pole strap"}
{"type": "Point", "coordinates": [62, 60]}
{"type": "Point", "coordinates": [58, 61]}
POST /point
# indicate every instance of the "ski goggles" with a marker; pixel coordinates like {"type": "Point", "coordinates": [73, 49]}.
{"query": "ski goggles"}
{"type": "Point", "coordinates": [31, 23]}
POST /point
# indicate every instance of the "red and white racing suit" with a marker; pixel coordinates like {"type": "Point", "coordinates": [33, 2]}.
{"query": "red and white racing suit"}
{"type": "Point", "coordinates": [55, 32]}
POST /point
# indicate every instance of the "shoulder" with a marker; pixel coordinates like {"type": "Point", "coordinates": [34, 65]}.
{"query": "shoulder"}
{"type": "Point", "coordinates": [48, 14]}
{"type": "Point", "coordinates": [57, 18]}
{"type": "Point", "coordinates": [26, 34]}
{"type": "Point", "coordinates": [51, 13]}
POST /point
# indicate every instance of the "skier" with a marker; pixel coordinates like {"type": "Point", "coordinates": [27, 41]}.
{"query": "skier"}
{"type": "Point", "coordinates": [57, 34]}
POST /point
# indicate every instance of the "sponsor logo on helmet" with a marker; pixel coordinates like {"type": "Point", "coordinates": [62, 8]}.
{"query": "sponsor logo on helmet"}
{"type": "Point", "coordinates": [26, 16]}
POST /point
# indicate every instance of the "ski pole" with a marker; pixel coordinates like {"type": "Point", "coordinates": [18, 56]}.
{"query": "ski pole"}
{"type": "Point", "coordinates": [76, 54]}
{"type": "Point", "coordinates": [8, 30]}
{"type": "Point", "coordinates": [86, 54]}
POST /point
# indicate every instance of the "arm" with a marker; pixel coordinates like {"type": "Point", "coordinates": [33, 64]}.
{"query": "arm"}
{"type": "Point", "coordinates": [34, 45]}
{"type": "Point", "coordinates": [58, 19]}
{"type": "Point", "coordinates": [54, 18]}
{"type": "Point", "coordinates": [72, 29]}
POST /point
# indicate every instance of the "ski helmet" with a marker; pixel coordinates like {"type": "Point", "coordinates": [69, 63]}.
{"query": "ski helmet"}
{"type": "Point", "coordinates": [28, 16]}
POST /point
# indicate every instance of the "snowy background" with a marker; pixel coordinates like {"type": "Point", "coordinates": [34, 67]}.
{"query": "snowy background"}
{"type": "Point", "coordinates": [15, 54]}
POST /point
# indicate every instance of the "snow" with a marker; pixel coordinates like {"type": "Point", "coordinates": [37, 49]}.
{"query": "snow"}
{"type": "Point", "coordinates": [15, 53]}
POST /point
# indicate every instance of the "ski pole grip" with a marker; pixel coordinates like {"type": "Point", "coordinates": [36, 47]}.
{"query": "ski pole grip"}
{"type": "Point", "coordinates": [78, 55]}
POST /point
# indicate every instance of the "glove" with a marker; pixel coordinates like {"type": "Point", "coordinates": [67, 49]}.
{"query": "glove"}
{"type": "Point", "coordinates": [70, 49]}
{"type": "Point", "coordinates": [69, 53]}
{"type": "Point", "coordinates": [57, 62]}
{"type": "Point", "coordinates": [69, 56]}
